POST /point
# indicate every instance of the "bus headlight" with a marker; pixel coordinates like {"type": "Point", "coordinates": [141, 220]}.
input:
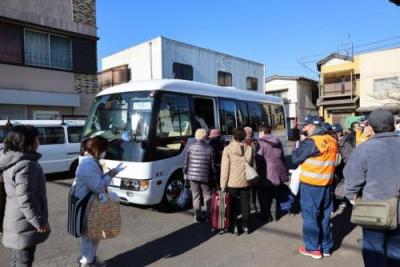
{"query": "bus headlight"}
{"type": "Point", "coordinates": [135, 185]}
{"type": "Point", "coordinates": [144, 185]}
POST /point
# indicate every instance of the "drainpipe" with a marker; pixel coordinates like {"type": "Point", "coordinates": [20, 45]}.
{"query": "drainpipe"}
{"type": "Point", "coordinates": [151, 59]}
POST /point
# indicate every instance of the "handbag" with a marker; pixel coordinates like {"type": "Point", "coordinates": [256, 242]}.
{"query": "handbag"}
{"type": "Point", "coordinates": [104, 218]}
{"type": "Point", "coordinates": [185, 197]}
{"type": "Point", "coordinates": [376, 214]}
{"type": "Point", "coordinates": [76, 212]}
{"type": "Point", "coordinates": [252, 176]}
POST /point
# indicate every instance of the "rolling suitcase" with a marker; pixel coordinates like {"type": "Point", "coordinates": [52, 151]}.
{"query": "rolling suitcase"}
{"type": "Point", "coordinates": [220, 211]}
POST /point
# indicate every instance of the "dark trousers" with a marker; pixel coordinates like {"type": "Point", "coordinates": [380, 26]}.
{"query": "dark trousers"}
{"type": "Point", "coordinates": [268, 197]}
{"type": "Point", "coordinates": [240, 205]}
{"type": "Point", "coordinates": [316, 207]}
{"type": "Point", "coordinates": [253, 198]}
{"type": "Point", "coordinates": [380, 244]}
{"type": "Point", "coordinates": [23, 257]}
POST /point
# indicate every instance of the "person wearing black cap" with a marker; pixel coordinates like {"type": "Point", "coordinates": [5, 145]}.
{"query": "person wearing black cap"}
{"type": "Point", "coordinates": [316, 156]}
{"type": "Point", "coordinates": [372, 173]}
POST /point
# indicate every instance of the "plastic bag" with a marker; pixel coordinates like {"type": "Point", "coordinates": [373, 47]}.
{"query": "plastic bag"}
{"type": "Point", "coordinates": [295, 181]}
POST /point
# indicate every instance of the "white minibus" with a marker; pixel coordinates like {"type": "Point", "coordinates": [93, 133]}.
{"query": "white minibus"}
{"type": "Point", "coordinates": [148, 124]}
{"type": "Point", "coordinates": [59, 142]}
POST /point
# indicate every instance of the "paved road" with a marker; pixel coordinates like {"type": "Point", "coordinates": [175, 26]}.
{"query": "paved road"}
{"type": "Point", "coordinates": [152, 238]}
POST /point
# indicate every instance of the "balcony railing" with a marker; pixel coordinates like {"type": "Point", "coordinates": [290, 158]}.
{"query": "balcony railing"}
{"type": "Point", "coordinates": [339, 89]}
{"type": "Point", "coordinates": [114, 76]}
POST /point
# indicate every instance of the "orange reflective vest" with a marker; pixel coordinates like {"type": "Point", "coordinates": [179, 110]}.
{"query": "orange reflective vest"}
{"type": "Point", "coordinates": [319, 170]}
{"type": "Point", "coordinates": [360, 138]}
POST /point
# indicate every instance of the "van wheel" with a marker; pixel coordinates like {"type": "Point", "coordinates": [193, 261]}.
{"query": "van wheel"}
{"type": "Point", "coordinates": [72, 169]}
{"type": "Point", "coordinates": [172, 190]}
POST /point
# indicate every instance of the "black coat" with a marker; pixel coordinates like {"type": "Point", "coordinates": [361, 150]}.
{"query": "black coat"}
{"type": "Point", "coordinates": [199, 162]}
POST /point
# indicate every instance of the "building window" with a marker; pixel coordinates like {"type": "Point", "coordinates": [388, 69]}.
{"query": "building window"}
{"type": "Point", "coordinates": [386, 85]}
{"type": "Point", "coordinates": [252, 83]}
{"type": "Point", "coordinates": [224, 78]}
{"type": "Point", "coordinates": [280, 93]}
{"type": "Point", "coordinates": [114, 76]}
{"type": "Point", "coordinates": [182, 71]}
{"type": "Point", "coordinates": [47, 50]}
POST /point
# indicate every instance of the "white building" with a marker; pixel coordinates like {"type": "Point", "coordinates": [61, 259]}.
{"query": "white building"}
{"type": "Point", "coordinates": [163, 58]}
{"type": "Point", "coordinates": [299, 94]}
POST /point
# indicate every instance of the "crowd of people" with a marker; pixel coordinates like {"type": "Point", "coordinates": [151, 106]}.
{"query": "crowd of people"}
{"type": "Point", "coordinates": [337, 167]}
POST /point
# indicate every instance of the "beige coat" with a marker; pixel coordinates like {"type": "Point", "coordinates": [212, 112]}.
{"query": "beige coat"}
{"type": "Point", "coordinates": [233, 165]}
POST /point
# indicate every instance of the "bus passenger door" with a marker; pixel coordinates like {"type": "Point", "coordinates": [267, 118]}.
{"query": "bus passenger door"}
{"type": "Point", "coordinates": [204, 112]}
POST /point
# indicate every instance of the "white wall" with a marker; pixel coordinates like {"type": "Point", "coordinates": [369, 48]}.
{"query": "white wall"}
{"type": "Point", "coordinates": [206, 64]}
{"type": "Point", "coordinates": [144, 60]}
{"type": "Point", "coordinates": [299, 96]}
{"type": "Point", "coordinates": [291, 86]}
{"type": "Point", "coordinates": [389, 66]}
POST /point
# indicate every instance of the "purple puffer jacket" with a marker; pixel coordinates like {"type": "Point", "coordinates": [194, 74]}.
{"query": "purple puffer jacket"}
{"type": "Point", "coordinates": [271, 160]}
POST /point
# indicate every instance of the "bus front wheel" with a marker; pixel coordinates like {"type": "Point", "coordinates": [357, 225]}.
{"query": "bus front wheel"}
{"type": "Point", "coordinates": [172, 190]}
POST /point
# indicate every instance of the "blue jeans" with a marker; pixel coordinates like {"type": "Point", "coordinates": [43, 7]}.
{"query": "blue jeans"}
{"type": "Point", "coordinates": [380, 244]}
{"type": "Point", "coordinates": [316, 207]}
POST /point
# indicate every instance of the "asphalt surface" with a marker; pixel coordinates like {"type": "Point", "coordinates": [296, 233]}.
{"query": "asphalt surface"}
{"type": "Point", "coordinates": [153, 238]}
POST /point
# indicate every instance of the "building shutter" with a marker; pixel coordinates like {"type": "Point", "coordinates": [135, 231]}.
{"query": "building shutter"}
{"type": "Point", "coordinates": [10, 43]}
{"type": "Point", "coordinates": [84, 56]}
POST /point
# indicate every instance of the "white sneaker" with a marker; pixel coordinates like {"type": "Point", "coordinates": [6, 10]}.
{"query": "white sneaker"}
{"type": "Point", "coordinates": [326, 254]}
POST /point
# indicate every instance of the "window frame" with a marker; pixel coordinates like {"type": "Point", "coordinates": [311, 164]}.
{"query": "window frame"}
{"type": "Point", "coordinates": [221, 99]}
{"type": "Point", "coordinates": [386, 90]}
{"type": "Point", "coordinates": [225, 74]}
{"type": "Point", "coordinates": [252, 79]}
{"type": "Point", "coordinates": [49, 65]}
{"type": "Point", "coordinates": [45, 143]}
{"type": "Point", "coordinates": [68, 134]}
{"type": "Point", "coordinates": [182, 66]}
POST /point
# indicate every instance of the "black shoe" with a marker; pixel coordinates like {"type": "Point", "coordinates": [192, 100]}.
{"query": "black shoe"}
{"type": "Point", "coordinates": [246, 230]}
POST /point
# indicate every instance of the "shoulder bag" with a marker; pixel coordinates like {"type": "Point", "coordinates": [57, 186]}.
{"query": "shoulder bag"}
{"type": "Point", "coordinates": [76, 212]}
{"type": "Point", "coordinates": [376, 214]}
{"type": "Point", "coordinates": [252, 176]}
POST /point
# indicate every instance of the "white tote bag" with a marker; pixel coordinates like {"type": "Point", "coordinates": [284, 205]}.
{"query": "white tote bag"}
{"type": "Point", "coordinates": [295, 181]}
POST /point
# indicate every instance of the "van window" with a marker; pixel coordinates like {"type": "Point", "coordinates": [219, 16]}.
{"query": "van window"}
{"type": "Point", "coordinates": [278, 118]}
{"type": "Point", "coordinates": [51, 135]}
{"type": "Point", "coordinates": [74, 134]}
{"type": "Point", "coordinates": [255, 114]}
{"type": "Point", "coordinates": [227, 111]}
{"type": "Point", "coordinates": [174, 118]}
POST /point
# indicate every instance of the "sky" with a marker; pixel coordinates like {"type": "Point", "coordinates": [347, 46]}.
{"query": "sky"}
{"type": "Point", "coordinates": [288, 36]}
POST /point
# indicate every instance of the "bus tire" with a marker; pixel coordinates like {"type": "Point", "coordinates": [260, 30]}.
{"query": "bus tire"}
{"type": "Point", "coordinates": [73, 167]}
{"type": "Point", "coordinates": [172, 190]}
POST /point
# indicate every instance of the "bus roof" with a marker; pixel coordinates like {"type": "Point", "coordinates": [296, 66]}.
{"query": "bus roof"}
{"type": "Point", "coordinates": [190, 87]}
{"type": "Point", "coordinates": [44, 122]}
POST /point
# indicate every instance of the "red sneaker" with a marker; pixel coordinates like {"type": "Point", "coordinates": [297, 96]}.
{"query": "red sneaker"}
{"type": "Point", "coordinates": [315, 254]}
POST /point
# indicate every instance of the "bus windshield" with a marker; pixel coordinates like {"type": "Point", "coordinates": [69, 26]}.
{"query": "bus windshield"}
{"type": "Point", "coordinates": [123, 116]}
{"type": "Point", "coordinates": [124, 120]}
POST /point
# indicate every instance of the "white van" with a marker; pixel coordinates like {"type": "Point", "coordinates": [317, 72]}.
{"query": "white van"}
{"type": "Point", "coordinates": [59, 142]}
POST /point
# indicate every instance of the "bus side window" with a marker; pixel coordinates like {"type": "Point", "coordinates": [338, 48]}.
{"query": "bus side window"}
{"type": "Point", "coordinates": [242, 114]}
{"type": "Point", "coordinates": [266, 115]}
{"type": "Point", "coordinates": [278, 118]}
{"type": "Point", "coordinates": [255, 114]}
{"type": "Point", "coordinates": [227, 111]}
{"type": "Point", "coordinates": [204, 112]}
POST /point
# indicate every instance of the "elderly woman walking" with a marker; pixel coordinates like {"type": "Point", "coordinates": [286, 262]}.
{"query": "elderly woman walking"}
{"type": "Point", "coordinates": [199, 167]}
{"type": "Point", "coordinates": [233, 178]}
{"type": "Point", "coordinates": [26, 215]}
